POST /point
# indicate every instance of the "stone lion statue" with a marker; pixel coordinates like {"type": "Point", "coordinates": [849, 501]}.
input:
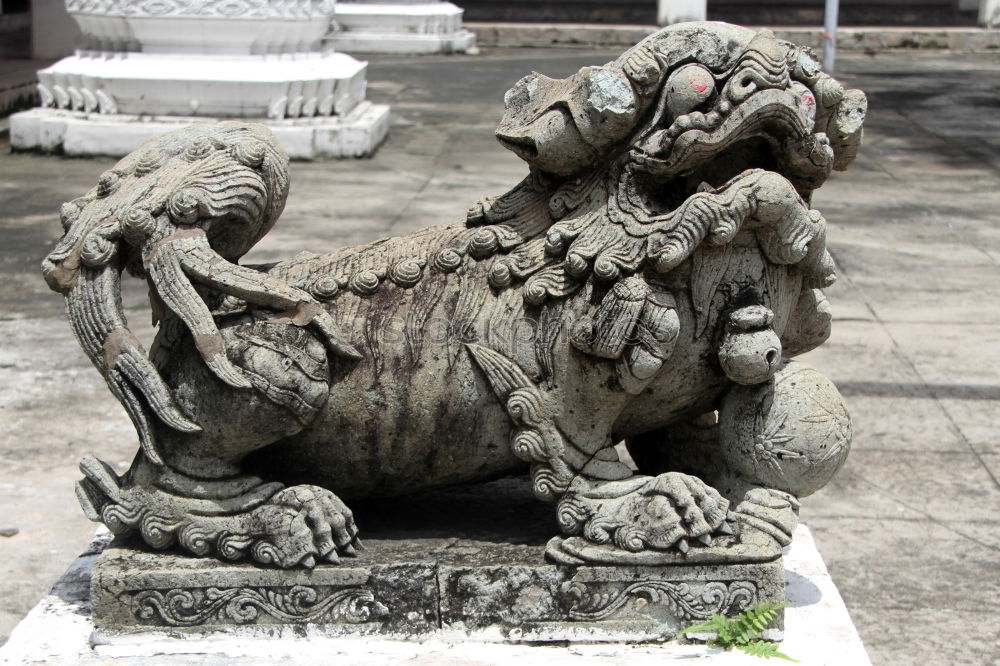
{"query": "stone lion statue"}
{"type": "Point", "coordinates": [646, 283]}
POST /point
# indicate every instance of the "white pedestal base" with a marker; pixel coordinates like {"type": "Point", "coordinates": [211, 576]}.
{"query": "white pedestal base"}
{"type": "Point", "coordinates": [232, 86]}
{"type": "Point", "coordinates": [373, 42]}
{"type": "Point", "coordinates": [416, 28]}
{"type": "Point", "coordinates": [356, 134]}
{"type": "Point", "coordinates": [59, 630]}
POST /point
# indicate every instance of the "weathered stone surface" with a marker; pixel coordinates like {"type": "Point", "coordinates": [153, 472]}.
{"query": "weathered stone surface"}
{"type": "Point", "coordinates": [660, 257]}
{"type": "Point", "coordinates": [134, 589]}
{"type": "Point", "coordinates": [483, 582]}
{"type": "Point", "coordinates": [916, 189]}
{"type": "Point", "coordinates": [60, 630]}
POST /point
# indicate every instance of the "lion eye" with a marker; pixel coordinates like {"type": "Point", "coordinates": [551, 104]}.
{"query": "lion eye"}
{"type": "Point", "coordinates": [807, 100]}
{"type": "Point", "coordinates": [688, 88]}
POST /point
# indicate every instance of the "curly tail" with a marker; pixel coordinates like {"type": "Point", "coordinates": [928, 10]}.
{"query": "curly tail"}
{"type": "Point", "coordinates": [184, 204]}
{"type": "Point", "coordinates": [94, 306]}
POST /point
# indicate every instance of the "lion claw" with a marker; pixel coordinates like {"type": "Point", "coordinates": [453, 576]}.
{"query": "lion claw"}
{"type": "Point", "coordinates": [306, 523]}
{"type": "Point", "coordinates": [656, 513]}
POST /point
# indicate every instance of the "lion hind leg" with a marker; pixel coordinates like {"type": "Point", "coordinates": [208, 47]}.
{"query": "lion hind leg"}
{"type": "Point", "coordinates": [232, 519]}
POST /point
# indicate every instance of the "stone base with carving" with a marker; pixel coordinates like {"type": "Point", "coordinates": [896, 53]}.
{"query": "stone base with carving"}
{"type": "Point", "coordinates": [422, 575]}
{"type": "Point", "coordinates": [356, 134]}
{"type": "Point", "coordinates": [60, 630]}
{"type": "Point", "coordinates": [411, 596]}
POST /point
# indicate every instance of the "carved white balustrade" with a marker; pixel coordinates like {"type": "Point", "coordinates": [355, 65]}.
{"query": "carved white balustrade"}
{"type": "Point", "coordinates": [167, 61]}
{"type": "Point", "coordinates": [207, 26]}
{"type": "Point", "coordinates": [400, 26]}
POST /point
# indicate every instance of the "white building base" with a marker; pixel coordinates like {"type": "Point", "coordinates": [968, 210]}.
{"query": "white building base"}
{"type": "Point", "coordinates": [79, 133]}
{"type": "Point", "coordinates": [406, 28]}
{"type": "Point", "coordinates": [181, 84]}
{"type": "Point", "coordinates": [463, 41]}
{"type": "Point", "coordinates": [59, 630]}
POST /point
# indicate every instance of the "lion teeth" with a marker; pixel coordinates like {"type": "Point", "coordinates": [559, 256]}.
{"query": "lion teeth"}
{"type": "Point", "coordinates": [694, 120]}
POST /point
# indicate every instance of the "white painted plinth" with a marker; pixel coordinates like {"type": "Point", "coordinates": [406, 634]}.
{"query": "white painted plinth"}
{"type": "Point", "coordinates": [415, 28]}
{"type": "Point", "coordinates": [233, 86]}
{"type": "Point", "coordinates": [356, 134]}
{"type": "Point", "coordinates": [818, 631]}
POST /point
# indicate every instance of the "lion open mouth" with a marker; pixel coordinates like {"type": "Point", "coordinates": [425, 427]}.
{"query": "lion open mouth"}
{"type": "Point", "coordinates": [770, 130]}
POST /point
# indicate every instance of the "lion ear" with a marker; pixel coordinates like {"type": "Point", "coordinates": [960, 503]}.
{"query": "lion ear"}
{"type": "Point", "coordinates": [604, 106]}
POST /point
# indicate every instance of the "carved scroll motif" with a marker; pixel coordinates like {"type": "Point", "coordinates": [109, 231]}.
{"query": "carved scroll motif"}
{"type": "Point", "coordinates": [591, 603]}
{"type": "Point", "coordinates": [298, 604]}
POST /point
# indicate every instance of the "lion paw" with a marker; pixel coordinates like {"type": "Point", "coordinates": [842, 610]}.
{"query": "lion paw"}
{"type": "Point", "coordinates": [302, 524]}
{"type": "Point", "coordinates": [773, 512]}
{"type": "Point", "coordinates": [647, 513]}
{"type": "Point", "coordinates": [283, 527]}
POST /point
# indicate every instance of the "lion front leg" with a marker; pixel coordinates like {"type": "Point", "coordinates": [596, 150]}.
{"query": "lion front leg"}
{"type": "Point", "coordinates": [198, 497]}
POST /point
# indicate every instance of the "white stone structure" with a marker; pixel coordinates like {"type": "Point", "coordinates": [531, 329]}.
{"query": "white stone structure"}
{"type": "Point", "coordinates": [149, 65]}
{"type": "Point", "coordinates": [669, 12]}
{"type": "Point", "coordinates": [400, 26]}
{"type": "Point", "coordinates": [989, 13]}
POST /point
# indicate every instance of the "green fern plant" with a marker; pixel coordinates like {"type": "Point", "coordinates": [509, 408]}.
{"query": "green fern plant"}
{"type": "Point", "coordinates": [743, 631]}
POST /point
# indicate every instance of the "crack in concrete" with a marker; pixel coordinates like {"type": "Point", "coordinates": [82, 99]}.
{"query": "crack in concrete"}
{"type": "Point", "coordinates": [899, 353]}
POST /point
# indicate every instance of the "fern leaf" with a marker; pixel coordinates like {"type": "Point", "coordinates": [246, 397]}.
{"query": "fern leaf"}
{"type": "Point", "coordinates": [719, 624]}
{"type": "Point", "coordinates": [698, 628]}
{"type": "Point", "coordinates": [752, 622]}
{"type": "Point", "coordinates": [764, 650]}
{"type": "Point", "coordinates": [727, 631]}
{"type": "Point", "coordinates": [744, 631]}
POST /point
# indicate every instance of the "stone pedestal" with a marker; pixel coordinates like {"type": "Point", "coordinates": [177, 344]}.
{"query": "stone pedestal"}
{"type": "Point", "coordinates": [400, 26]}
{"type": "Point", "coordinates": [466, 562]}
{"type": "Point", "coordinates": [147, 67]}
{"type": "Point", "coordinates": [399, 589]}
{"type": "Point", "coordinates": [61, 629]}
{"type": "Point", "coordinates": [447, 577]}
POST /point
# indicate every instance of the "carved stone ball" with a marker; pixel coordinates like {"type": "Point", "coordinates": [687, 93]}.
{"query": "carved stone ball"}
{"type": "Point", "coordinates": [792, 433]}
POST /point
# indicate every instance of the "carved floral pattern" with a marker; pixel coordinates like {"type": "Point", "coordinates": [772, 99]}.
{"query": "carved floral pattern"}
{"type": "Point", "coordinates": [298, 604]}
{"type": "Point", "coordinates": [288, 9]}
{"type": "Point", "coordinates": [597, 604]}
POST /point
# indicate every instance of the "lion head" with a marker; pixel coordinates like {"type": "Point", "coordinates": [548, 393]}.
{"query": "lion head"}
{"type": "Point", "coordinates": [697, 132]}
{"type": "Point", "coordinates": [683, 97]}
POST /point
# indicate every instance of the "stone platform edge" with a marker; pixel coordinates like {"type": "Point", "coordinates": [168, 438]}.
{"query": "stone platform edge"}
{"type": "Point", "coordinates": [438, 595]}
{"type": "Point", "coordinates": [864, 39]}
{"type": "Point", "coordinates": [77, 133]}
{"type": "Point", "coordinates": [60, 630]}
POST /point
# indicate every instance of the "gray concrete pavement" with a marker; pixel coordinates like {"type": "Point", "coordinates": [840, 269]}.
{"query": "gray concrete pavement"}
{"type": "Point", "coordinates": [910, 529]}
